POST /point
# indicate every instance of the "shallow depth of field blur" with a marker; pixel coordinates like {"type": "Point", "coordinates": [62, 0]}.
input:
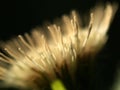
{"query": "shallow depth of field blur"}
{"type": "Point", "coordinates": [20, 16]}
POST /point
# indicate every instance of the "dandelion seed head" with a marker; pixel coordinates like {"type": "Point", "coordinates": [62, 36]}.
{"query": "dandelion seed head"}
{"type": "Point", "coordinates": [36, 60]}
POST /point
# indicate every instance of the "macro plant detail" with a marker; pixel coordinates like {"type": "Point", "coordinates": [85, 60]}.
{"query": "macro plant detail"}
{"type": "Point", "coordinates": [51, 57]}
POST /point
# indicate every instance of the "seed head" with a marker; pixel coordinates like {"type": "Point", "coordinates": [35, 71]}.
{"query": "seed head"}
{"type": "Point", "coordinates": [54, 53]}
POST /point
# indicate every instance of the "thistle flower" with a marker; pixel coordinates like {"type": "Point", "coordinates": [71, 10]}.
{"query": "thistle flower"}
{"type": "Point", "coordinates": [51, 57]}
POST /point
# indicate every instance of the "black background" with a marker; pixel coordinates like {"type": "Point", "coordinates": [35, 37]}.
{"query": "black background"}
{"type": "Point", "coordinates": [20, 16]}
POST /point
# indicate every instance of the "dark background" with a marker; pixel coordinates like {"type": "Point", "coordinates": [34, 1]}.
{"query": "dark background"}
{"type": "Point", "coordinates": [20, 16]}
